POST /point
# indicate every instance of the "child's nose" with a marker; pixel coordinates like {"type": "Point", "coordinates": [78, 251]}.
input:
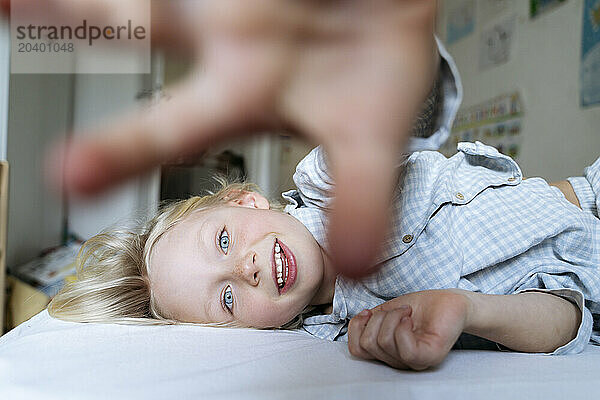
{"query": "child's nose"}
{"type": "Point", "coordinates": [247, 269]}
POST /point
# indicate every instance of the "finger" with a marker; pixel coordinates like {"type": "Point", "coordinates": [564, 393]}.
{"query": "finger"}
{"type": "Point", "coordinates": [372, 136]}
{"type": "Point", "coordinates": [406, 343]}
{"type": "Point", "coordinates": [369, 338]}
{"type": "Point", "coordinates": [365, 176]}
{"type": "Point", "coordinates": [355, 330]}
{"type": "Point", "coordinates": [386, 337]}
{"type": "Point", "coordinates": [387, 330]}
{"type": "Point", "coordinates": [416, 354]}
{"type": "Point", "coordinates": [196, 114]}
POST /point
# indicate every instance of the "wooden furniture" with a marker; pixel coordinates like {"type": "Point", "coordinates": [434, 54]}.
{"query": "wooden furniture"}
{"type": "Point", "coordinates": [3, 223]}
{"type": "Point", "coordinates": [23, 302]}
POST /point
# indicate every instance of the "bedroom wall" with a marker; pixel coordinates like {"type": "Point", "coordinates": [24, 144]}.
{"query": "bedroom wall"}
{"type": "Point", "coordinates": [40, 112]}
{"type": "Point", "coordinates": [559, 137]}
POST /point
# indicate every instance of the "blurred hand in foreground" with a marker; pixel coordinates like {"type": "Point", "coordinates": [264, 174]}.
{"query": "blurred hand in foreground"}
{"type": "Point", "coordinates": [351, 75]}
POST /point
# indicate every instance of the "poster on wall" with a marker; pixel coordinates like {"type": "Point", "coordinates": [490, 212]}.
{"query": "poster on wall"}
{"type": "Point", "coordinates": [461, 20]}
{"type": "Point", "coordinates": [590, 54]}
{"type": "Point", "coordinates": [537, 7]}
{"type": "Point", "coordinates": [495, 43]}
{"type": "Point", "coordinates": [496, 122]}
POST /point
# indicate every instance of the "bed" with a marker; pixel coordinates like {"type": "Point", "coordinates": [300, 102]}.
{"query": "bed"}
{"type": "Point", "coordinates": [48, 359]}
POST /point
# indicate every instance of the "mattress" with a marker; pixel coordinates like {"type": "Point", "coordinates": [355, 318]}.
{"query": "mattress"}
{"type": "Point", "coordinates": [45, 358]}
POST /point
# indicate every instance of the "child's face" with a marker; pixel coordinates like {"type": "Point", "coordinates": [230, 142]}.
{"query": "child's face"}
{"type": "Point", "coordinates": [220, 265]}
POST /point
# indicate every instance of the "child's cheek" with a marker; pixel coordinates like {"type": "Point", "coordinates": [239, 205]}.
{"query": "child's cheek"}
{"type": "Point", "coordinates": [266, 314]}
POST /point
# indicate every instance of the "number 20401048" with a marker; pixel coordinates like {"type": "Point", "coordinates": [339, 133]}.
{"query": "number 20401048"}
{"type": "Point", "coordinates": [52, 47]}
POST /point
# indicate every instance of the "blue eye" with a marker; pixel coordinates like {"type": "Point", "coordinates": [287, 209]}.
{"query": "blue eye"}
{"type": "Point", "coordinates": [224, 241]}
{"type": "Point", "coordinates": [228, 298]}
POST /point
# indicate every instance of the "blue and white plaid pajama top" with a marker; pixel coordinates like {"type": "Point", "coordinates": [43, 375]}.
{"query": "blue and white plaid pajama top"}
{"type": "Point", "coordinates": [470, 222]}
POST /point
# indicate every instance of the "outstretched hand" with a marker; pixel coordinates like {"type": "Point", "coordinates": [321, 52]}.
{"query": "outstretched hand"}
{"type": "Point", "coordinates": [414, 331]}
{"type": "Point", "coordinates": [351, 75]}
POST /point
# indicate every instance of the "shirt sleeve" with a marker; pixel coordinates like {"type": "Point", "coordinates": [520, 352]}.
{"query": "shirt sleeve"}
{"type": "Point", "coordinates": [585, 194]}
{"type": "Point", "coordinates": [587, 188]}
{"type": "Point", "coordinates": [313, 180]}
{"type": "Point", "coordinates": [584, 332]}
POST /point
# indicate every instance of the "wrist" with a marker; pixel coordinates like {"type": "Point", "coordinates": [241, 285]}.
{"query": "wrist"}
{"type": "Point", "coordinates": [484, 318]}
{"type": "Point", "coordinates": [477, 318]}
{"type": "Point", "coordinates": [471, 300]}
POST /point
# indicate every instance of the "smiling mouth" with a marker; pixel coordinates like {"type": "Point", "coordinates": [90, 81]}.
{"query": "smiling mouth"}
{"type": "Point", "coordinates": [284, 267]}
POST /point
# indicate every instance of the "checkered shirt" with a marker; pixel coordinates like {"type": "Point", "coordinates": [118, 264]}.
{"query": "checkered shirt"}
{"type": "Point", "coordinates": [470, 222]}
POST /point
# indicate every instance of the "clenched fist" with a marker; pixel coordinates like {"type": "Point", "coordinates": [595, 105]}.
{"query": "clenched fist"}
{"type": "Point", "coordinates": [414, 331]}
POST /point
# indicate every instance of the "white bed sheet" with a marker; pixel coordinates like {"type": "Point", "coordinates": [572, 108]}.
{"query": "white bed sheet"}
{"type": "Point", "coordinates": [45, 358]}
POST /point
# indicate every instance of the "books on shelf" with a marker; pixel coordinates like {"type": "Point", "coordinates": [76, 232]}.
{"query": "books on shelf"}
{"type": "Point", "coordinates": [49, 272]}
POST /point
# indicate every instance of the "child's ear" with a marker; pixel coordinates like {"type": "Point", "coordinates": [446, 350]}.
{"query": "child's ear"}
{"type": "Point", "coordinates": [251, 200]}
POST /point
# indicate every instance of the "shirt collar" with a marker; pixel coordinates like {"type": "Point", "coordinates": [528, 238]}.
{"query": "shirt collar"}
{"type": "Point", "coordinates": [452, 92]}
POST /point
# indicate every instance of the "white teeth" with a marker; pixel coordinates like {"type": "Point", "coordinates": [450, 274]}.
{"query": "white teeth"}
{"type": "Point", "coordinates": [279, 264]}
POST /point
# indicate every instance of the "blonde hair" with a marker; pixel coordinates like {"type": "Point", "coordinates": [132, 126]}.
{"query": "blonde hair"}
{"type": "Point", "coordinates": [112, 283]}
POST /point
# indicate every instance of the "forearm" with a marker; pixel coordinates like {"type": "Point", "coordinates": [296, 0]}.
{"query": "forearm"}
{"type": "Point", "coordinates": [531, 322]}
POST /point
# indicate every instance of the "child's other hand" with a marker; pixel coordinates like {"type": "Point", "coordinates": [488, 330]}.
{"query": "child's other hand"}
{"type": "Point", "coordinates": [414, 331]}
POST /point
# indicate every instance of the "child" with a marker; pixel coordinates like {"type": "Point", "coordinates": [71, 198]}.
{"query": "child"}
{"type": "Point", "coordinates": [472, 234]}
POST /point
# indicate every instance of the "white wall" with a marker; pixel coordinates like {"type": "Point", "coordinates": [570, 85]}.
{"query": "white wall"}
{"type": "Point", "coordinates": [559, 137]}
{"type": "Point", "coordinates": [40, 112]}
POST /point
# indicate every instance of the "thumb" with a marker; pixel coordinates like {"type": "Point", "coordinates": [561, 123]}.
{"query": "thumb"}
{"type": "Point", "coordinates": [365, 174]}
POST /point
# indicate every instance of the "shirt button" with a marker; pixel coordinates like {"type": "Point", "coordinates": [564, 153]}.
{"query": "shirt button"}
{"type": "Point", "coordinates": [407, 238]}
{"type": "Point", "coordinates": [460, 196]}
